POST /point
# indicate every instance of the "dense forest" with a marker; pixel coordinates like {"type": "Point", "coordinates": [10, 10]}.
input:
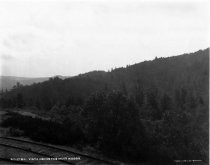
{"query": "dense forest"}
{"type": "Point", "coordinates": [155, 110]}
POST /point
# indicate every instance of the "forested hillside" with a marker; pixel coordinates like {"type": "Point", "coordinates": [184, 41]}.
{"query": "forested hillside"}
{"type": "Point", "coordinates": [188, 72]}
{"type": "Point", "coordinates": [151, 110]}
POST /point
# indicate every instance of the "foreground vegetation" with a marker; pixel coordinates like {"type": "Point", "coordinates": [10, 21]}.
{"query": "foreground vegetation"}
{"type": "Point", "coordinates": [115, 124]}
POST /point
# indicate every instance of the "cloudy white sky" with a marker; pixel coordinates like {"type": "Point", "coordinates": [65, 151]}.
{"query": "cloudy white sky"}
{"type": "Point", "coordinates": [68, 37]}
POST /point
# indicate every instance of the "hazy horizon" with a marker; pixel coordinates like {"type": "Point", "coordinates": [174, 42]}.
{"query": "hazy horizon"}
{"type": "Point", "coordinates": [92, 70]}
{"type": "Point", "coordinates": [59, 37]}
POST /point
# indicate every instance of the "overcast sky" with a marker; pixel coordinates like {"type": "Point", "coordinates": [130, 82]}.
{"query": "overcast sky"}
{"type": "Point", "coordinates": [66, 37]}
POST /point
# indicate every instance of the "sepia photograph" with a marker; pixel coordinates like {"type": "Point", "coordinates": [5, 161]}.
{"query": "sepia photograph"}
{"type": "Point", "coordinates": [104, 82]}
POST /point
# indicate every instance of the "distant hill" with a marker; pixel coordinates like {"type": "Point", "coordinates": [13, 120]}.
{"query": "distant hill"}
{"type": "Point", "coordinates": [7, 82]}
{"type": "Point", "coordinates": [167, 75]}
